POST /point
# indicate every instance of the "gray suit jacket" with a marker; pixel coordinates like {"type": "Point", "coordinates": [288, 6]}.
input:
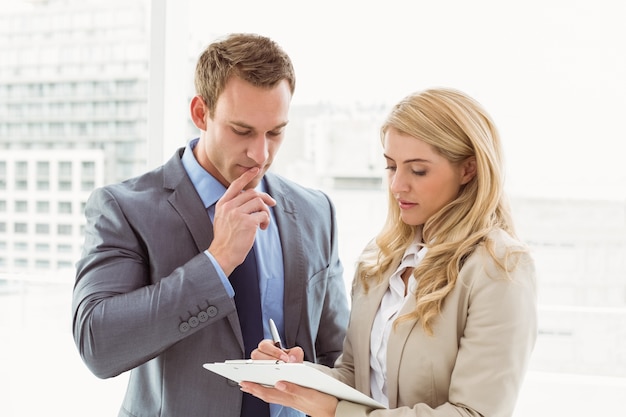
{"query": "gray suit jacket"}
{"type": "Point", "coordinates": [148, 299]}
{"type": "Point", "coordinates": [475, 362]}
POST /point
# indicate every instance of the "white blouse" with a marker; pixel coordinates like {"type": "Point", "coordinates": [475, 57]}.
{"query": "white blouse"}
{"type": "Point", "coordinates": [392, 302]}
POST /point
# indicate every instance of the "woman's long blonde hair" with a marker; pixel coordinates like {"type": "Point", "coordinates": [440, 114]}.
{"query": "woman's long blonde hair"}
{"type": "Point", "coordinates": [457, 127]}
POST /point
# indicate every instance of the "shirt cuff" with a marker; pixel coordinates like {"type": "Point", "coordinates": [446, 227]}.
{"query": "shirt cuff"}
{"type": "Point", "coordinates": [229, 288]}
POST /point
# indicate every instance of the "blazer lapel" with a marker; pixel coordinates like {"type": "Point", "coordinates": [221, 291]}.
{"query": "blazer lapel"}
{"type": "Point", "coordinates": [185, 200]}
{"type": "Point", "coordinates": [364, 309]}
{"type": "Point", "coordinates": [395, 346]}
{"type": "Point", "coordinates": [293, 250]}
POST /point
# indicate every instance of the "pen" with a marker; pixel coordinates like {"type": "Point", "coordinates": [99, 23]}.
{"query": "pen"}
{"type": "Point", "coordinates": [275, 335]}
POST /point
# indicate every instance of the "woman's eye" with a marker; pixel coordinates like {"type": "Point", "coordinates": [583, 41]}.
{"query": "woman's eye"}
{"type": "Point", "coordinates": [419, 173]}
{"type": "Point", "coordinates": [390, 168]}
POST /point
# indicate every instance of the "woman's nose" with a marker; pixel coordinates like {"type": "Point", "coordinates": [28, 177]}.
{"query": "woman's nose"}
{"type": "Point", "coordinates": [397, 183]}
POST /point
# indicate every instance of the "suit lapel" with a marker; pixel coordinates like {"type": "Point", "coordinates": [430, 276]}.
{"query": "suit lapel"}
{"type": "Point", "coordinates": [185, 200]}
{"type": "Point", "coordinates": [293, 250]}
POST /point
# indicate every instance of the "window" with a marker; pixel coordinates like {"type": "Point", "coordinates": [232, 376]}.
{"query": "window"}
{"type": "Point", "coordinates": [65, 169]}
{"type": "Point", "coordinates": [20, 246]}
{"type": "Point", "coordinates": [88, 169]}
{"type": "Point", "coordinates": [21, 169]}
{"type": "Point", "coordinates": [43, 169]}
{"type": "Point", "coordinates": [64, 229]}
{"type": "Point", "coordinates": [21, 185]}
{"type": "Point", "coordinates": [42, 264]}
{"type": "Point", "coordinates": [42, 247]}
{"type": "Point", "coordinates": [64, 248]}
{"type": "Point", "coordinates": [20, 263]}
{"type": "Point", "coordinates": [21, 228]}
{"type": "Point", "coordinates": [21, 206]}
{"type": "Point", "coordinates": [43, 207]}
{"type": "Point", "coordinates": [42, 228]}
{"type": "Point", "coordinates": [65, 207]}
{"type": "Point", "coordinates": [65, 265]}
{"type": "Point", "coordinates": [87, 185]}
{"type": "Point", "coordinates": [65, 185]}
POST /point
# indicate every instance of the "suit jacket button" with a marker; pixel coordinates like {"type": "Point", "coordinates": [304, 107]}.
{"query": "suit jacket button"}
{"type": "Point", "coordinates": [211, 311]}
{"type": "Point", "coordinates": [184, 327]}
{"type": "Point", "coordinates": [203, 316]}
{"type": "Point", "coordinates": [193, 321]}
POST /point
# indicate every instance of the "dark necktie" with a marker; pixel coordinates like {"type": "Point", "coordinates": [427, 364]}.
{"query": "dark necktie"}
{"type": "Point", "coordinates": [245, 282]}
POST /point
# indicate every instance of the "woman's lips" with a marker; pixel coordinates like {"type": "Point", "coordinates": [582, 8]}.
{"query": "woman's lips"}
{"type": "Point", "coordinates": [405, 205]}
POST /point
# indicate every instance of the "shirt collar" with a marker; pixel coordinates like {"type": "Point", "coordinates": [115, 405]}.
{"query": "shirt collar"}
{"type": "Point", "coordinates": [413, 255]}
{"type": "Point", "coordinates": [414, 252]}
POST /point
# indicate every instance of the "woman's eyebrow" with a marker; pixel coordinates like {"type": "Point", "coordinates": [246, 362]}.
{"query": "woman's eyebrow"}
{"type": "Point", "coordinates": [408, 161]}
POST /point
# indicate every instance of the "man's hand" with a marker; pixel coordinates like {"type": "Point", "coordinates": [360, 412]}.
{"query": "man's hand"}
{"type": "Point", "coordinates": [268, 350]}
{"type": "Point", "coordinates": [238, 214]}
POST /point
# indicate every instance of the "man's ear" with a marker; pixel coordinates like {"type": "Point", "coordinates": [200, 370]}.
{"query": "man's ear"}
{"type": "Point", "coordinates": [468, 170]}
{"type": "Point", "coordinates": [198, 112]}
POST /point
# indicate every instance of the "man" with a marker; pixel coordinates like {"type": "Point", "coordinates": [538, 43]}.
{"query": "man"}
{"type": "Point", "coordinates": [164, 286]}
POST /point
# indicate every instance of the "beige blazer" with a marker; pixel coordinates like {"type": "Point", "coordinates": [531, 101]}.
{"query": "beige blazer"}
{"type": "Point", "coordinates": [474, 363]}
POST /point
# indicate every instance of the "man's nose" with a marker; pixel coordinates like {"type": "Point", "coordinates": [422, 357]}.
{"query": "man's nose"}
{"type": "Point", "coordinates": [258, 150]}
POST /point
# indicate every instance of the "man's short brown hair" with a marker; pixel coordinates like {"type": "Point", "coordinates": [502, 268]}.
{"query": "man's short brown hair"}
{"type": "Point", "coordinates": [253, 58]}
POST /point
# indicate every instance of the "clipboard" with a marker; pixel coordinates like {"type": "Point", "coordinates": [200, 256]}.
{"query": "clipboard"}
{"type": "Point", "coordinates": [268, 372]}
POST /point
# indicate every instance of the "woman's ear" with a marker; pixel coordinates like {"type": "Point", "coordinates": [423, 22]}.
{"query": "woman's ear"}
{"type": "Point", "coordinates": [468, 170]}
{"type": "Point", "coordinates": [198, 112]}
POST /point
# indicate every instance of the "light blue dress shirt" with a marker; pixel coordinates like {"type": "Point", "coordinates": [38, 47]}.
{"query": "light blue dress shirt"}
{"type": "Point", "coordinates": [268, 251]}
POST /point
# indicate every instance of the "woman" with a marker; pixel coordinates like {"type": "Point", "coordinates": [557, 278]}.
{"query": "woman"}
{"type": "Point", "coordinates": [443, 317]}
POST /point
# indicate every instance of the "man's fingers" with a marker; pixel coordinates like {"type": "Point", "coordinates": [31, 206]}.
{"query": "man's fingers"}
{"type": "Point", "coordinates": [237, 186]}
{"type": "Point", "coordinates": [236, 190]}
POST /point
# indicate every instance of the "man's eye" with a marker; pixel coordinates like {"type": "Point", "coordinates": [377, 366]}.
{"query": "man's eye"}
{"type": "Point", "coordinates": [241, 132]}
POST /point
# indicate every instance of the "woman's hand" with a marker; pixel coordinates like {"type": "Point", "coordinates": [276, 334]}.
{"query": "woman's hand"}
{"type": "Point", "coordinates": [309, 401]}
{"type": "Point", "coordinates": [267, 350]}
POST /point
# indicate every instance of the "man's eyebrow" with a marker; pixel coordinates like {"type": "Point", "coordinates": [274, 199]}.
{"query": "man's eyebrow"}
{"type": "Point", "coordinates": [408, 161]}
{"type": "Point", "coordinates": [247, 126]}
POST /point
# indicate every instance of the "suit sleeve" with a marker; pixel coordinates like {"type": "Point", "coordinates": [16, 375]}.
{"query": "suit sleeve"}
{"type": "Point", "coordinates": [123, 317]}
